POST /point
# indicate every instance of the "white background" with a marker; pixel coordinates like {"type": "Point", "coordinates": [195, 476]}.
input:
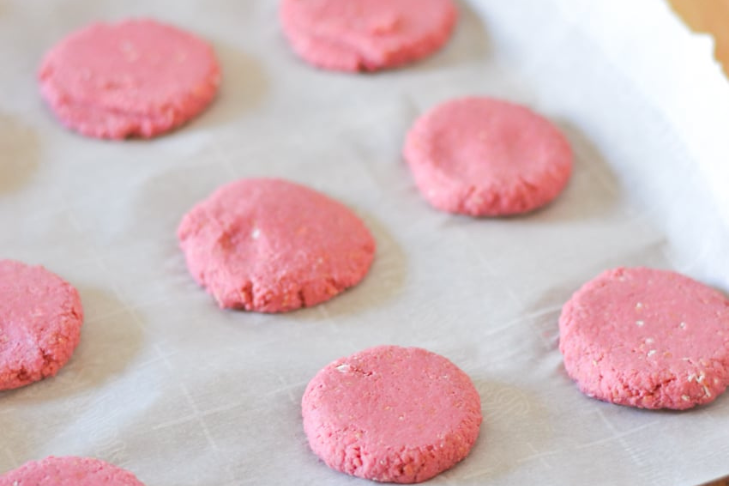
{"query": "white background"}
{"type": "Point", "coordinates": [182, 393]}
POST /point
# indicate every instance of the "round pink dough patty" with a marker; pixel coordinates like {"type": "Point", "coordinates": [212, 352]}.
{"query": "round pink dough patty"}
{"type": "Point", "coordinates": [133, 78]}
{"type": "Point", "coordinates": [269, 245]}
{"type": "Point", "coordinates": [40, 323]}
{"type": "Point", "coordinates": [69, 471]}
{"type": "Point", "coordinates": [366, 35]}
{"type": "Point", "coordinates": [647, 338]}
{"type": "Point", "coordinates": [486, 157]}
{"type": "Point", "coordinates": [391, 414]}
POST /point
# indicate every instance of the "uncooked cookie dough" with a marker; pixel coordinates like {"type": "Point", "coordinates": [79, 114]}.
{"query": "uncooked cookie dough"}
{"type": "Point", "coordinates": [366, 35]}
{"type": "Point", "coordinates": [40, 323]}
{"type": "Point", "coordinates": [392, 414]}
{"type": "Point", "coordinates": [69, 471]}
{"type": "Point", "coordinates": [486, 157]}
{"type": "Point", "coordinates": [647, 338]}
{"type": "Point", "coordinates": [132, 78]}
{"type": "Point", "coordinates": [269, 245]}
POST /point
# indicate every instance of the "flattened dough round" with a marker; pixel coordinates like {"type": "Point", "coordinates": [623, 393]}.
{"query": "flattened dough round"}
{"type": "Point", "coordinates": [647, 338]}
{"type": "Point", "coordinates": [40, 323]}
{"type": "Point", "coordinates": [486, 157]}
{"type": "Point", "coordinates": [133, 78]}
{"type": "Point", "coordinates": [269, 245]}
{"type": "Point", "coordinates": [366, 35]}
{"type": "Point", "coordinates": [69, 471]}
{"type": "Point", "coordinates": [392, 414]}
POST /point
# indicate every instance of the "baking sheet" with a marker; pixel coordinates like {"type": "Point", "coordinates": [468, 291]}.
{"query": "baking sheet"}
{"type": "Point", "coordinates": [181, 393]}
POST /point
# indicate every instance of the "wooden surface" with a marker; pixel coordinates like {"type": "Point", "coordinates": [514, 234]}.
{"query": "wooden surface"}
{"type": "Point", "coordinates": [718, 482]}
{"type": "Point", "coordinates": [710, 16]}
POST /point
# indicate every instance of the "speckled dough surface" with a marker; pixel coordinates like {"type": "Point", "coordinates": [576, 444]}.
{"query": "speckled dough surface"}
{"type": "Point", "coordinates": [133, 78]}
{"type": "Point", "coordinates": [647, 338]}
{"type": "Point", "coordinates": [269, 245]}
{"type": "Point", "coordinates": [40, 323]}
{"type": "Point", "coordinates": [486, 157]}
{"type": "Point", "coordinates": [69, 471]}
{"type": "Point", "coordinates": [392, 414]}
{"type": "Point", "coordinates": [366, 35]}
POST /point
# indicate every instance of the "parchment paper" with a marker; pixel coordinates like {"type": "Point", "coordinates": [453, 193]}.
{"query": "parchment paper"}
{"type": "Point", "coordinates": [181, 393]}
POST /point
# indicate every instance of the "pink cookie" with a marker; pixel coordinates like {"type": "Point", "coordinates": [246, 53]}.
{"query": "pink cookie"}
{"type": "Point", "coordinates": [69, 471]}
{"type": "Point", "coordinates": [366, 35]}
{"type": "Point", "coordinates": [269, 245]}
{"type": "Point", "coordinates": [391, 414]}
{"type": "Point", "coordinates": [485, 157]}
{"type": "Point", "coordinates": [40, 323]}
{"type": "Point", "coordinates": [647, 338]}
{"type": "Point", "coordinates": [134, 78]}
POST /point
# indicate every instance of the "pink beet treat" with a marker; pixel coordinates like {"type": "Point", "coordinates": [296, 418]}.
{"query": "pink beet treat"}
{"type": "Point", "coordinates": [69, 471]}
{"type": "Point", "coordinates": [392, 414]}
{"type": "Point", "coordinates": [40, 323]}
{"type": "Point", "coordinates": [485, 157]}
{"type": "Point", "coordinates": [96, 123]}
{"type": "Point", "coordinates": [269, 245]}
{"type": "Point", "coordinates": [647, 338]}
{"type": "Point", "coordinates": [366, 35]}
{"type": "Point", "coordinates": [134, 78]}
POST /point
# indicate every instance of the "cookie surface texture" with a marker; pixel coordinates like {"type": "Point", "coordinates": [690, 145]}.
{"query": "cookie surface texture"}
{"type": "Point", "coordinates": [40, 323]}
{"type": "Point", "coordinates": [135, 78]}
{"type": "Point", "coordinates": [486, 157]}
{"type": "Point", "coordinates": [392, 414]}
{"type": "Point", "coordinates": [69, 471]}
{"type": "Point", "coordinates": [366, 35]}
{"type": "Point", "coordinates": [270, 245]}
{"type": "Point", "coordinates": [647, 338]}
